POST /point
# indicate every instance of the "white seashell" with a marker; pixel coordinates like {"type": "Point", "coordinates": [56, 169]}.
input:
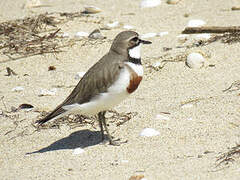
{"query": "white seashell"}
{"type": "Point", "coordinates": [182, 38]}
{"type": "Point", "coordinates": [18, 89]}
{"type": "Point", "coordinates": [148, 35]}
{"type": "Point", "coordinates": [188, 105]}
{"type": "Point", "coordinates": [113, 25]}
{"type": "Point", "coordinates": [173, 1]}
{"type": "Point", "coordinates": [196, 23]}
{"type": "Point", "coordinates": [78, 151]}
{"type": "Point", "coordinates": [33, 3]}
{"type": "Point", "coordinates": [162, 117]}
{"type": "Point", "coordinates": [128, 27]}
{"type": "Point", "coordinates": [45, 92]}
{"type": "Point", "coordinates": [79, 75]}
{"type": "Point", "coordinates": [148, 132]}
{"type": "Point", "coordinates": [81, 34]}
{"type": "Point", "coordinates": [162, 34]}
{"type": "Point", "coordinates": [65, 34]}
{"type": "Point", "coordinates": [150, 3]}
{"type": "Point", "coordinates": [203, 37]}
{"type": "Point", "coordinates": [92, 9]}
{"type": "Point", "coordinates": [195, 60]}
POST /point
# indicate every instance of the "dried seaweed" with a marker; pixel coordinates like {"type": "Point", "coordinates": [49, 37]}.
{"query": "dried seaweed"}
{"type": "Point", "coordinates": [235, 86]}
{"type": "Point", "coordinates": [74, 121]}
{"type": "Point", "coordinates": [38, 35]}
{"type": "Point", "coordinates": [227, 38]}
{"type": "Point", "coordinates": [229, 157]}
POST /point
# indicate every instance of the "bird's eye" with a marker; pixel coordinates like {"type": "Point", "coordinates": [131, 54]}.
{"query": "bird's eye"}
{"type": "Point", "coordinates": [135, 39]}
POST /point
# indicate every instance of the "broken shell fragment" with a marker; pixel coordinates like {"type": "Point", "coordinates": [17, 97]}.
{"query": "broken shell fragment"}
{"type": "Point", "coordinates": [113, 24]}
{"type": "Point", "coordinates": [150, 3]}
{"type": "Point", "coordinates": [96, 34]}
{"type": "Point", "coordinates": [162, 34]}
{"type": "Point", "coordinates": [81, 34]}
{"type": "Point", "coordinates": [128, 27]}
{"type": "Point", "coordinates": [18, 89]}
{"type": "Point", "coordinates": [45, 92]}
{"type": "Point", "coordinates": [195, 60]}
{"type": "Point", "coordinates": [91, 9]}
{"type": "Point", "coordinates": [148, 35]}
{"type": "Point", "coordinates": [78, 151]}
{"type": "Point", "coordinates": [149, 132]}
{"type": "Point", "coordinates": [196, 23]}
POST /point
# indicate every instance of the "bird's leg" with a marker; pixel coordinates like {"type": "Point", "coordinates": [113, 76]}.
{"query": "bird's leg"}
{"type": "Point", "coordinates": [111, 141]}
{"type": "Point", "coordinates": [100, 119]}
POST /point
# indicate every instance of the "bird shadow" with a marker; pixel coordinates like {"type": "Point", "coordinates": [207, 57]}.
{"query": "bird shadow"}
{"type": "Point", "coordinates": [82, 138]}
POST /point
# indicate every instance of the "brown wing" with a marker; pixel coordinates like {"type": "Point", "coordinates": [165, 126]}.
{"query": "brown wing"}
{"type": "Point", "coordinates": [97, 80]}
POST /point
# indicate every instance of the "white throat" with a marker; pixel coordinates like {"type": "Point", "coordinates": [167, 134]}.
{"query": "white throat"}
{"type": "Point", "coordinates": [135, 52]}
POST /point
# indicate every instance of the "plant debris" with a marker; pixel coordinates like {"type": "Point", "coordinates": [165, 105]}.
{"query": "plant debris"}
{"type": "Point", "coordinates": [235, 86]}
{"type": "Point", "coordinates": [37, 35]}
{"type": "Point", "coordinates": [74, 121]}
{"type": "Point", "coordinates": [229, 157]}
{"type": "Point", "coordinates": [10, 72]}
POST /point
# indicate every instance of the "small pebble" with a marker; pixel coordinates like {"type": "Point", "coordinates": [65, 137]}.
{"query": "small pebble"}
{"type": "Point", "coordinates": [18, 89]}
{"type": "Point", "coordinates": [195, 60]}
{"type": "Point", "coordinates": [78, 151]}
{"type": "Point", "coordinates": [196, 23]}
{"type": "Point", "coordinates": [149, 132]}
{"type": "Point", "coordinates": [45, 92]}
{"type": "Point", "coordinates": [150, 3]}
{"type": "Point", "coordinates": [79, 75]}
{"type": "Point", "coordinates": [91, 9]}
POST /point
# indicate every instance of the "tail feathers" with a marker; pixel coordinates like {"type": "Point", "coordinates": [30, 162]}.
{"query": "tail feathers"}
{"type": "Point", "coordinates": [53, 115]}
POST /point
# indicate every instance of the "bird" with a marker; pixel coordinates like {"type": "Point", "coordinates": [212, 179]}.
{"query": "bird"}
{"type": "Point", "coordinates": [107, 83]}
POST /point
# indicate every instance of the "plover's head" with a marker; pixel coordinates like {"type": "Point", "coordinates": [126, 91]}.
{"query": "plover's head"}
{"type": "Point", "coordinates": [128, 42]}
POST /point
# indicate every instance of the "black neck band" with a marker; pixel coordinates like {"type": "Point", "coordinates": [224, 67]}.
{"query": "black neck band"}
{"type": "Point", "coordinates": [135, 60]}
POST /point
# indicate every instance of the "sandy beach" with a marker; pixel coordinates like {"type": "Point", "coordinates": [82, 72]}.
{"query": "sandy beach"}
{"type": "Point", "coordinates": [196, 119]}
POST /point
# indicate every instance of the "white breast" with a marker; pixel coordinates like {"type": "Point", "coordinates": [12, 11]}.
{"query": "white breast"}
{"type": "Point", "coordinates": [135, 52]}
{"type": "Point", "coordinates": [104, 101]}
{"type": "Point", "coordinates": [138, 68]}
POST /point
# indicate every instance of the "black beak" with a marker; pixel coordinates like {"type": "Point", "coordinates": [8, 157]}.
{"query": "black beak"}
{"type": "Point", "coordinates": [144, 41]}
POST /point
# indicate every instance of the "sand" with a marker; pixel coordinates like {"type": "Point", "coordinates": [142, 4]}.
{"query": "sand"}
{"type": "Point", "coordinates": [191, 138]}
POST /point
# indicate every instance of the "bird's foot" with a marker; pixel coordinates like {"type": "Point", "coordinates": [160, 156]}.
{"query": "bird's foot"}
{"type": "Point", "coordinates": [117, 142]}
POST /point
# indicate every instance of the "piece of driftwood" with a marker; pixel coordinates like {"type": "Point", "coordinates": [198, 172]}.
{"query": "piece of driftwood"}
{"type": "Point", "coordinates": [235, 8]}
{"type": "Point", "coordinates": [211, 29]}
